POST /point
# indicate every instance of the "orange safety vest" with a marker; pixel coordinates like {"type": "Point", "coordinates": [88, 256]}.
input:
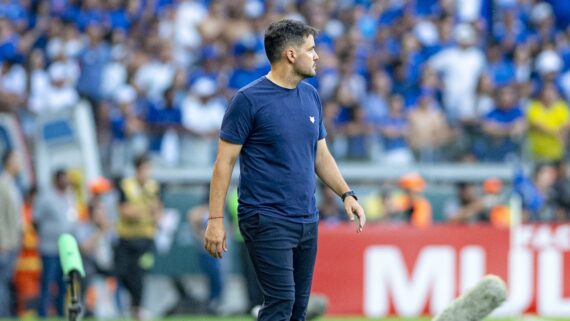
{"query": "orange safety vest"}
{"type": "Point", "coordinates": [500, 216]}
{"type": "Point", "coordinates": [28, 266]}
{"type": "Point", "coordinates": [422, 213]}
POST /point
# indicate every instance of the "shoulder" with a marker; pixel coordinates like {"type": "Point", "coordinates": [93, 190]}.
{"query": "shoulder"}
{"type": "Point", "coordinates": [126, 184]}
{"type": "Point", "coordinates": [152, 186]}
{"type": "Point", "coordinates": [248, 94]}
{"type": "Point", "coordinates": [251, 88]}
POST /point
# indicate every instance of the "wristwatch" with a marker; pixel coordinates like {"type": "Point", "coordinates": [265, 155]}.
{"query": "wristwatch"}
{"type": "Point", "coordinates": [349, 193]}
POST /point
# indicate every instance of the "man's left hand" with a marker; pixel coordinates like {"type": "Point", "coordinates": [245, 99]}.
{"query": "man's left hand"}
{"type": "Point", "coordinates": [353, 209]}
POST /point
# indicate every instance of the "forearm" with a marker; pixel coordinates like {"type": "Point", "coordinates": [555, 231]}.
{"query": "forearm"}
{"type": "Point", "coordinates": [328, 171]}
{"type": "Point", "coordinates": [543, 129]}
{"type": "Point", "coordinates": [219, 187]}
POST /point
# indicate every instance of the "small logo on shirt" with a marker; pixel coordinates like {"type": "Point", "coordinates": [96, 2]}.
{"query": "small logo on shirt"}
{"type": "Point", "coordinates": [312, 119]}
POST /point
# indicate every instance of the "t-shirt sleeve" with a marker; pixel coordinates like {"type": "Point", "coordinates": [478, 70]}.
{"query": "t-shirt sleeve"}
{"type": "Point", "coordinates": [238, 120]}
{"type": "Point", "coordinates": [322, 129]}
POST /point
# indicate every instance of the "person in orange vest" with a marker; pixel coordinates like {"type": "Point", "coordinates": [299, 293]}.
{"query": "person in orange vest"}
{"type": "Point", "coordinates": [28, 265]}
{"type": "Point", "coordinates": [410, 205]}
{"type": "Point", "coordinates": [499, 214]}
{"type": "Point", "coordinates": [467, 206]}
{"type": "Point", "coordinates": [470, 206]}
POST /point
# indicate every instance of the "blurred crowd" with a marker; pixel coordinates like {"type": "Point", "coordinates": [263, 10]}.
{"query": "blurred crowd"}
{"type": "Point", "coordinates": [401, 81]}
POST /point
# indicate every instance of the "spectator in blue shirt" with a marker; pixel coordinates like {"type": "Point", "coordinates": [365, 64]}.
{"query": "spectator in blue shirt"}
{"type": "Point", "coordinates": [376, 101]}
{"type": "Point", "coordinates": [500, 69]}
{"type": "Point", "coordinates": [91, 12]}
{"type": "Point", "coordinates": [163, 116]}
{"type": "Point", "coordinates": [117, 15]}
{"type": "Point", "coordinates": [247, 71]}
{"type": "Point", "coordinates": [509, 30]}
{"type": "Point", "coordinates": [393, 129]}
{"type": "Point", "coordinates": [127, 129]}
{"type": "Point", "coordinates": [503, 129]}
{"type": "Point", "coordinates": [15, 12]}
{"type": "Point", "coordinates": [209, 65]}
{"type": "Point", "coordinates": [92, 62]}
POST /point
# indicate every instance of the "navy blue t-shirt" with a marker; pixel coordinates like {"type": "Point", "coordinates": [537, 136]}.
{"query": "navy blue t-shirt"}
{"type": "Point", "coordinates": [278, 129]}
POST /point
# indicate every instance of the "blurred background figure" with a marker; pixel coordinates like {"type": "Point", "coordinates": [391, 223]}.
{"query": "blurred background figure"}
{"type": "Point", "coordinates": [496, 202]}
{"type": "Point", "coordinates": [13, 79]}
{"type": "Point", "coordinates": [410, 206]}
{"type": "Point", "coordinates": [503, 129]}
{"type": "Point", "coordinates": [394, 131]}
{"type": "Point", "coordinates": [165, 125]}
{"type": "Point", "coordinates": [198, 219]}
{"type": "Point", "coordinates": [536, 193]}
{"type": "Point", "coordinates": [96, 239]}
{"type": "Point", "coordinates": [561, 191]}
{"type": "Point", "coordinates": [202, 114]}
{"type": "Point", "coordinates": [55, 213]}
{"type": "Point", "coordinates": [549, 121]}
{"type": "Point", "coordinates": [253, 289]}
{"type": "Point", "coordinates": [468, 206]}
{"type": "Point", "coordinates": [128, 137]}
{"type": "Point", "coordinates": [461, 66]}
{"type": "Point", "coordinates": [428, 129]}
{"type": "Point", "coordinates": [27, 276]}
{"type": "Point", "coordinates": [476, 204]}
{"type": "Point", "coordinates": [140, 209]}
{"type": "Point", "coordinates": [11, 227]}
{"type": "Point", "coordinates": [330, 211]}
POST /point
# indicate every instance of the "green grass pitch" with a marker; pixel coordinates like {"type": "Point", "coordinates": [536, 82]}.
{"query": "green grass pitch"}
{"type": "Point", "coordinates": [208, 318]}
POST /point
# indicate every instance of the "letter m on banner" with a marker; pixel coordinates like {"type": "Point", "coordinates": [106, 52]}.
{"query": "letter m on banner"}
{"type": "Point", "coordinates": [386, 279]}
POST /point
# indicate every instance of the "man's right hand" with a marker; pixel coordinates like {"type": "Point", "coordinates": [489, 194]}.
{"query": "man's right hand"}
{"type": "Point", "coordinates": [215, 238]}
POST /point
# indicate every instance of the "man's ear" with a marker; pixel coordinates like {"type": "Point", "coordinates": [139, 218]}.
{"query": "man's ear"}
{"type": "Point", "coordinates": [290, 54]}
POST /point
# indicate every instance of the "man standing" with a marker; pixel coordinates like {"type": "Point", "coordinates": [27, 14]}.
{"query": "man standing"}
{"type": "Point", "coordinates": [139, 212]}
{"type": "Point", "coordinates": [55, 213]}
{"type": "Point", "coordinates": [275, 124]}
{"type": "Point", "coordinates": [10, 226]}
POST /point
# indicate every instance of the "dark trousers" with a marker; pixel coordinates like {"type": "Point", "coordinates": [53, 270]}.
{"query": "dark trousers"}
{"type": "Point", "coordinates": [7, 263]}
{"type": "Point", "coordinates": [130, 266]}
{"type": "Point", "coordinates": [52, 276]}
{"type": "Point", "coordinates": [283, 254]}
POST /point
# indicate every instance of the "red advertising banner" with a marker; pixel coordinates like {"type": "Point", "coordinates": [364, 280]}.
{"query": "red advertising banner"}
{"type": "Point", "coordinates": [405, 271]}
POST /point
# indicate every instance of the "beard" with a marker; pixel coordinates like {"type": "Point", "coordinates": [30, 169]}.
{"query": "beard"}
{"type": "Point", "coordinates": [306, 72]}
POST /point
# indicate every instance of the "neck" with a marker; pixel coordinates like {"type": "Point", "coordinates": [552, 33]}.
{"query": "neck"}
{"type": "Point", "coordinates": [284, 76]}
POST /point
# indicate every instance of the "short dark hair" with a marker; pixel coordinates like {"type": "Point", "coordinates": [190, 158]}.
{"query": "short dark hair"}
{"type": "Point", "coordinates": [58, 173]}
{"type": "Point", "coordinates": [282, 33]}
{"type": "Point", "coordinates": [141, 160]}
